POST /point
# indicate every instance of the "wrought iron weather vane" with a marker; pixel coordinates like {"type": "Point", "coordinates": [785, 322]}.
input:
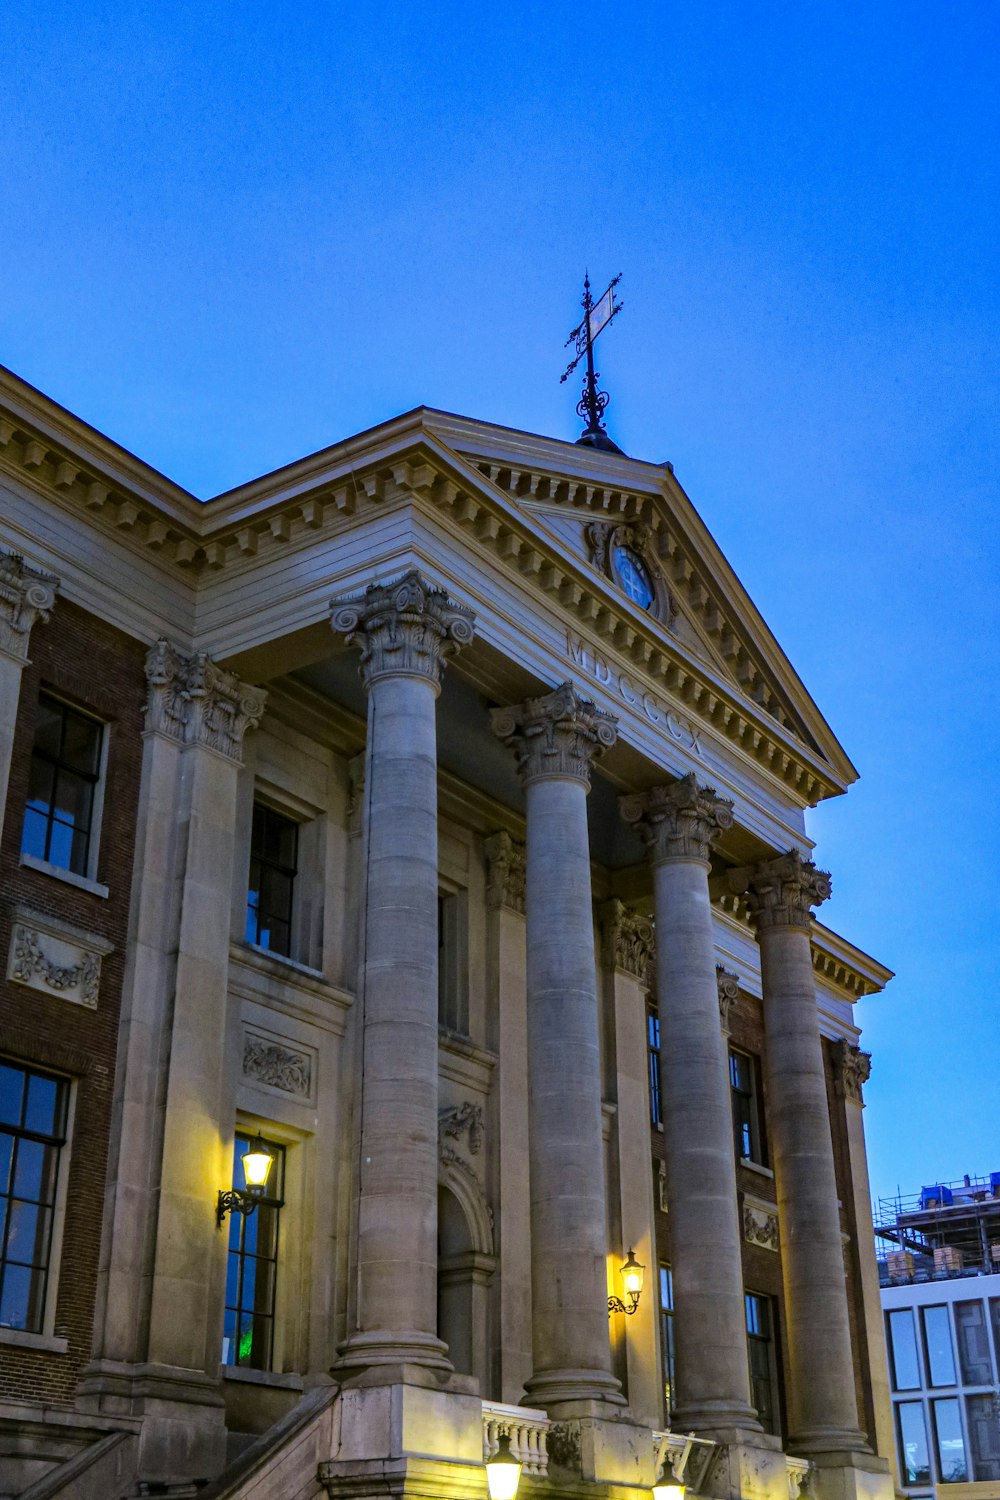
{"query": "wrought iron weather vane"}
{"type": "Point", "coordinates": [593, 403]}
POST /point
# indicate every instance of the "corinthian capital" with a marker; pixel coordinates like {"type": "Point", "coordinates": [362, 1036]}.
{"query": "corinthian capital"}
{"type": "Point", "coordinates": [628, 939]}
{"type": "Point", "coordinates": [729, 992]}
{"type": "Point", "coordinates": [195, 702]}
{"type": "Point", "coordinates": [403, 629]}
{"type": "Point", "coordinates": [25, 596]}
{"type": "Point", "coordinates": [680, 821]}
{"type": "Point", "coordinates": [853, 1070]}
{"type": "Point", "coordinates": [505, 880]}
{"type": "Point", "coordinates": [558, 735]}
{"type": "Point", "coordinates": [781, 892]}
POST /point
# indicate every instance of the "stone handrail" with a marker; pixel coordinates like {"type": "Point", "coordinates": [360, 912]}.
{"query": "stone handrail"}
{"type": "Point", "coordinates": [690, 1456]}
{"type": "Point", "coordinates": [527, 1430]}
{"type": "Point", "coordinates": [798, 1475]}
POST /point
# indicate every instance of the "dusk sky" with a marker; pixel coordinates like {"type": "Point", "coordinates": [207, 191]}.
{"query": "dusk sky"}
{"type": "Point", "coordinates": [234, 236]}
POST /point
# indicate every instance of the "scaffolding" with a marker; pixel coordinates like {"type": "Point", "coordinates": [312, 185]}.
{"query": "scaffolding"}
{"type": "Point", "coordinates": [947, 1229]}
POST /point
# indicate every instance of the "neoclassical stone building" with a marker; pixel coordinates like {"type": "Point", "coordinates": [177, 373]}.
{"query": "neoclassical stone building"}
{"type": "Point", "coordinates": [433, 809]}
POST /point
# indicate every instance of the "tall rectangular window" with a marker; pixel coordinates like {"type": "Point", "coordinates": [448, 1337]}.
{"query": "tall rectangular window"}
{"type": "Point", "coordinates": [32, 1135]}
{"type": "Point", "coordinates": [667, 1338]}
{"type": "Point", "coordinates": [984, 1436]}
{"type": "Point", "coordinates": [950, 1442]}
{"type": "Point", "coordinates": [59, 820]}
{"type": "Point", "coordinates": [763, 1369]}
{"type": "Point", "coordinates": [653, 1049]}
{"type": "Point", "coordinates": [453, 1004]}
{"type": "Point", "coordinates": [914, 1459]}
{"type": "Point", "coordinates": [938, 1345]}
{"type": "Point", "coordinates": [903, 1350]}
{"type": "Point", "coordinates": [274, 855]}
{"type": "Point", "coordinates": [744, 1092]}
{"type": "Point", "coordinates": [252, 1268]}
{"type": "Point", "coordinates": [972, 1332]}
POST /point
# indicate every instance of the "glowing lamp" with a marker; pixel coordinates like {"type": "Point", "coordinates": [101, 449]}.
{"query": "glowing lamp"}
{"type": "Point", "coordinates": [503, 1471]}
{"type": "Point", "coordinates": [631, 1274]}
{"type": "Point", "coordinates": [668, 1486]}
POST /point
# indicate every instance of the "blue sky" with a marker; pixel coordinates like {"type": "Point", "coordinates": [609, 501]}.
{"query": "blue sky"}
{"type": "Point", "coordinates": [231, 238]}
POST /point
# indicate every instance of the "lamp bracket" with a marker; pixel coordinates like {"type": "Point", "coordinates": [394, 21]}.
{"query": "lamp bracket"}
{"type": "Point", "coordinates": [616, 1305]}
{"type": "Point", "coordinates": [234, 1201]}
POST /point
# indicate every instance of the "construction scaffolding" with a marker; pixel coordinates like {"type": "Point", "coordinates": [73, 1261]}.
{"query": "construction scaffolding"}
{"type": "Point", "coordinates": [947, 1229]}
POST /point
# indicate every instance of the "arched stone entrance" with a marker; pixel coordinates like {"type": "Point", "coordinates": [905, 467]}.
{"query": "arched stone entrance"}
{"type": "Point", "coordinates": [466, 1263]}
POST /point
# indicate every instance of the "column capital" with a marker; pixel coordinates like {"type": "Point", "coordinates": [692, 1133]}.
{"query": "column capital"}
{"type": "Point", "coordinates": [728, 986]}
{"type": "Point", "coordinates": [628, 939]}
{"type": "Point", "coordinates": [852, 1070]}
{"type": "Point", "coordinates": [406, 628]}
{"type": "Point", "coordinates": [781, 892]}
{"type": "Point", "coordinates": [25, 596]}
{"type": "Point", "coordinates": [680, 821]}
{"type": "Point", "coordinates": [195, 702]}
{"type": "Point", "coordinates": [505, 877]}
{"type": "Point", "coordinates": [555, 736]}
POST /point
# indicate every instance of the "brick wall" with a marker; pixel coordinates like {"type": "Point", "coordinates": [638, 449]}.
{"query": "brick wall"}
{"type": "Point", "coordinates": [92, 665]}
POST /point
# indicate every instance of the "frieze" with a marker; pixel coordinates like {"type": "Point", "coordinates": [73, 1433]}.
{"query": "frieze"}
{"type": "Point", "coordinates": [56, 959]}
{"type": "Point", "coordinates": [277, 1065]}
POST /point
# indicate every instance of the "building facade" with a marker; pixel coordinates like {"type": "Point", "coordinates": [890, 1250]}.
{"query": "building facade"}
{"type": "Point", "coordinates": [431, 811]}
{"type": "Point", "coordinates": [940, 1276]}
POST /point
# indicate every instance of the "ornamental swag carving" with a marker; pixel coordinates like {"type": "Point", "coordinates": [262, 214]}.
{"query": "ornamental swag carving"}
{"type": "Point", "coordinates": [195, 702]}
{"type": "Point", "coordinates": [33, 963]}
{"type": "Point", "coordinates": [25, 596]}
{"type": "Point", "coordinates": [278, 1066]}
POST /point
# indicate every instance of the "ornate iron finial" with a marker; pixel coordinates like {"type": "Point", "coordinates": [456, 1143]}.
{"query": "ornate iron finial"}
{"type": "Point", "coordinates": [593, 403]}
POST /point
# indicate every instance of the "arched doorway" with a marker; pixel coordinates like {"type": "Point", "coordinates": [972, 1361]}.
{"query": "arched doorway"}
{"type": "Point", "coordinates": [465, 1265]}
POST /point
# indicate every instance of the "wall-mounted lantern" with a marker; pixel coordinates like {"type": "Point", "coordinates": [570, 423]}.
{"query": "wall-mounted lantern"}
{"type": "Point", "coordinates": [257, 1164]}
{"type": "Point", "coordinates": [631, 1274]}
{"type": "Point", "coordinates": [503, 1471]}
{"type": "Point", "coordinates": [668, 1486]}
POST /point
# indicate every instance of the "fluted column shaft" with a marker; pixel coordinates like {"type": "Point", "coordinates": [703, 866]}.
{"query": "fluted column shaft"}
{"type": "Point", "coordinates": [404, 631]}
{"type": "Point", "coordinates": [823, 1406]}
{"type": "Point", "coordinates": [555, 738]}
{"type": "Point", "coordinates": [678, 824]}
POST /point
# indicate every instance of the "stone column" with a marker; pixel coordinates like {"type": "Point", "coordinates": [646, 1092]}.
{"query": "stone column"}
{"type": "Point", "coordinates": [404, 631]}
{"type": "Point", "coordinates": [158, 1326]}
{"type": "Point", "coordinates": [25, 596]}
{"type": "Point", "coordinates": [628, 953]}
{"type": "Point", "coordinates": [679, 824]}
{"type": "Point", "coordinates": [823, 1414]}
{"type": "Point", "coordinates": [510, 1163]}
{"type": "Point", "coordinates": [555, 738]}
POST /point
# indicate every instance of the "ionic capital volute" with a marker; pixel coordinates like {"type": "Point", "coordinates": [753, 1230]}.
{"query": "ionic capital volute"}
{"type": "Point", "coordinates": [781, 892]}
{"type": "Point", "coordinates": [558, 735]}
{"type": "Point", "coordinates": [680, 821]}
{"type": "Point", "coordinates": [628, 939]}
{"type": "Point", "coordinates": [406, 628]}
{"type": "Point", "coordinates": [729, 991]}
{"type": "Point", "coordinates": [195, 702]}
{"type": "Point", "coordinates": [25, 596]}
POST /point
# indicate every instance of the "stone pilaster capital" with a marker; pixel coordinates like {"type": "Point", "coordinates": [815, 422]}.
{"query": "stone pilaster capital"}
{"type": "Point", "coordinates": [195, 702]}
{"type": "Point", "coordinates": [729, 989]}
{"type": "Point", "coordinates": [557, 735]}
{"type": "Point", "coordinates": [680, 821]}
{"type": "Point", "coordinates": [628, 939]}
{"type": "Point", "coordinates": [25, 596]}
{"type": "Point", "coordinates": [781, 892]}
{"type": "Point", "coordinates": [406, 628]}
{"type": "Point", "coordinates": [505, 872]}
{"type": "Point", "coordinates": [852, 1070]}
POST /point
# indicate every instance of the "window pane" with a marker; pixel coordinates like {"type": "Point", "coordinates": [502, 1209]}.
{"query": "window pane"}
{"type": "Point", "coordinates": [950, 1442]}
{"type": "Point", "coordinates": [984, 1436]}
{"type": "Point", "coordinates": [914, 1460]}
{"type": "Point", "coordinates": [40, 1113]}
{"type": "Point", "coordinates": [16, 1297]}
{"type": "Point", "coordinates": [81, 743]}
{"type": "Point", "coordinates": [903, 1351]}
{"type": "Point", "coordinates": [11, 1094]}
{"type": "Point", "coordinates": [973, 1343]}
{"type": "Point", "coordinates": [6, 1154]}
{"type": "Point", "coordinates": [34, 833]}
{"type": "Point", "coordinates": [937, 1343]}
{"type": "Point", "coordinates": [40, 783]}
{"type": "Point", "coordinates": [48, 727]}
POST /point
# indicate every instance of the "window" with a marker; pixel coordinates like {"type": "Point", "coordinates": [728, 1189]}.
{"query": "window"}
{"type": "Point", "coordinates": [746, 1114]}
{"type": "Point", "coordinates": [32, 1133]}
{"type": "Point", "coordinates": [914, 1460]}
{"type": "Point", "coordinates": [763, 1370]}
{"type": "Point", "coordinates": [984, 1436]}
{"type": "Point", "coordinates": [653, 1045]}
{"type": "Point", "coordinates": [903, 1351]}
{"type": "Point", "coordinates": [950, 1442]}
{"type": "Point", "coordinates": [667, 1338]}
{"type": "Point", "coordinates": [973, 1337]}
{"type": "Point", "coordinates": [252, 1268]}
{"type": "Point", "coordinates": [633, 577]}
{"type": "Point", "coordinates": [60, 820]}
{"type": "Point", "coordinates": [938, 1346]}
{"type": "Point", "coordinates": [453, 1002]}
{"type": "Point", "coordinates": [274, 853]}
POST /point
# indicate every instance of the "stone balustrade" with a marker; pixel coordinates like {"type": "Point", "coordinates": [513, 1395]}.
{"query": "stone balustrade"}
{"type": "Point", "coordinates": [690, 1456]}
{"type": "Point", "coordinates": [798, 1476]}
{"type": "Point", "coordinates": [527, 1430]}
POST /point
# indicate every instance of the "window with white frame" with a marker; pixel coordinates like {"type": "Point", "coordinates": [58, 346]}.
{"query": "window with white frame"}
{"type": "Point", "coordinates": [744, 1086]}
{"type": "Point", "coordinates": [33, 1118]}
{"type": "Point", "coordinates": [63, 810]}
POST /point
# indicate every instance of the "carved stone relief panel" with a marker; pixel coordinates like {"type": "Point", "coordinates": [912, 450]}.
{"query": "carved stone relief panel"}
{"type": "Point", "coordinates": [760, 1223]}
{"type": "Point", "coordinates": [52, 956]}
{"type": "Point", "coordinates": [275, 1063]}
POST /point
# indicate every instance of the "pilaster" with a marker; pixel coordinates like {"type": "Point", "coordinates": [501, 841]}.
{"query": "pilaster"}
{"type": "Point", "coordinates": [26, 596]}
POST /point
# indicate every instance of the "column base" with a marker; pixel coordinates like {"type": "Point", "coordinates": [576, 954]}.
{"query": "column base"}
{"type": "Point", "coordinates": [364, 1351]}
{"type": "Point", "coordinates": [574, 1393]}
{"type": "Point", "coordinates": [851, 1476]}
{"type": "Point", "coordinates": [182, 1439]}
{"type": "Point", "coordinates": [724, 1421]}
{"type": "Point", "coordinates": [844, 1444]}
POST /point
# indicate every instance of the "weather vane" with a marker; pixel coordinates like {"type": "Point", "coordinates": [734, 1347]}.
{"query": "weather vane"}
{"type": "Point", "coordinates": [593, 403]}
